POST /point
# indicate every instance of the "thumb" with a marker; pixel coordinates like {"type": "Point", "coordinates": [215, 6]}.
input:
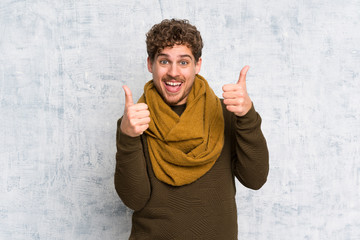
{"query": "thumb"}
{"type": "Point", "coordinates": [242, 77]}
{"type": "Point", "coordinates": [128, 96]}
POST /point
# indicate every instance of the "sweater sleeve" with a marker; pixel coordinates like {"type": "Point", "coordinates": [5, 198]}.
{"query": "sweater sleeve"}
{"type": "Point", "coordinates": [131, 177]}
{"type": "Point", "coordinates": [251, 158]}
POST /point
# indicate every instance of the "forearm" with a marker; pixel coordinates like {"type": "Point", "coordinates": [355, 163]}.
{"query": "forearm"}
{"type": "Point", "coordinates": [252, 157]}
{"type": "Point", "coordinates": [131, 178]}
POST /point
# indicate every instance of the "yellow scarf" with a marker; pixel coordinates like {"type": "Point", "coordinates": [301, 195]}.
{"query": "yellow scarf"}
{"type": "Point", "coordinates": [182, 149]}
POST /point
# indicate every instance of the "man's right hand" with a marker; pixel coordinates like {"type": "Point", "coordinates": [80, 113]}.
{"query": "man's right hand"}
{"type": "Point", "coordinates": [136, 117]}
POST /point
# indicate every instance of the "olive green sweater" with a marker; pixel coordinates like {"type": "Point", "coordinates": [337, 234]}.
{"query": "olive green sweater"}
{"type": "Point", "coordinates": [205, 209]}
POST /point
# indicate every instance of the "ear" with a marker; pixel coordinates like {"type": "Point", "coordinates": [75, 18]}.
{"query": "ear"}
{"type": "Point", "coordinates": [149, 65]}
{"type": "Point", "coordinates": [198, 65]}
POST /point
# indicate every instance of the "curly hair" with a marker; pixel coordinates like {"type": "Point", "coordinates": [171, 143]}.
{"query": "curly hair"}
{"type": "Point", "coordinates": [173, 32]}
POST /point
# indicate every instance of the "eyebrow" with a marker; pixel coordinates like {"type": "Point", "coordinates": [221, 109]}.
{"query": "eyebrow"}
{"type": "Point", "coordinates": [167, 55]}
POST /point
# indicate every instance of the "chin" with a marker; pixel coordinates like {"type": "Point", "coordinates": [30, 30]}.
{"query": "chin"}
{"type": "Point", "coordinates": [169, 99]}
{"type": "Point", "coordinates": [172, 101]}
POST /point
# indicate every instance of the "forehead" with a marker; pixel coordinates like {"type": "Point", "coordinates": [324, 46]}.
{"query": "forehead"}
{"type": "Point", "coordinates": [177, 51]}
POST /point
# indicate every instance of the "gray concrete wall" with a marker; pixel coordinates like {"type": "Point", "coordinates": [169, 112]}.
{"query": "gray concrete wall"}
{"type": "Point", "coordinates": [62, 65]}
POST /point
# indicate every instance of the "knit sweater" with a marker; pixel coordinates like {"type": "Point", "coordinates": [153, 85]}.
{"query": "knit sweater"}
{"type": "Point", "coordinates": [204, 209]}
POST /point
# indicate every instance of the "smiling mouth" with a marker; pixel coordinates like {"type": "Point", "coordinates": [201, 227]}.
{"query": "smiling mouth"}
{"type": "Point", "coordinates": [172, 87]}
{"type": "Point", "coordinates": [173, 84]}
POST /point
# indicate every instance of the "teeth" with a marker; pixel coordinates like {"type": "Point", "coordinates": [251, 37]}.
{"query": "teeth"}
{"type": "Point", "coordinates": [173, 83]}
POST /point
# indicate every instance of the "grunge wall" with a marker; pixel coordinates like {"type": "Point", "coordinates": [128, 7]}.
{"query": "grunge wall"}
{"type": "Point", "coordinates": [62, 65]}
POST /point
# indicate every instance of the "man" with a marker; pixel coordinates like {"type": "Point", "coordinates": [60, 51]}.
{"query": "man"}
{"type": "Point", "coordinates": [180, 147]}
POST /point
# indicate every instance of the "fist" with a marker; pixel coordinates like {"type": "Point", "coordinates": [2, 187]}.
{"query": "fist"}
{"type": "Point", "coordinates": [236, 97]}
{"type": "Point", "coordinates": [136, 117]}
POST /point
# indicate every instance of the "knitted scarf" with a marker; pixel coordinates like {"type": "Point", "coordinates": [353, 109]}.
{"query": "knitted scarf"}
{"type": "Point", "coordinates": [182, 149]}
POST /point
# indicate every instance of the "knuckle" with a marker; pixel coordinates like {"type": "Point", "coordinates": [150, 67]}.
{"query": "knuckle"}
{"type": "Point", "coordinates": [142, 105]}
{"type": "Point", "coordinates": [139, 130]}
{"type": "Point", "coordinates": [130, 115]}
{"type": "Point", "coordinates": [128, 111]}
{"type": "Point", "coordinates": [132, 123]}
{"type": "Point", "coordinates": [136, 129]}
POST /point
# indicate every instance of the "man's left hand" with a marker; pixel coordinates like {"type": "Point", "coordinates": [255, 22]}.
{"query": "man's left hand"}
{"type": "Point", "coordinates": [236, 97]}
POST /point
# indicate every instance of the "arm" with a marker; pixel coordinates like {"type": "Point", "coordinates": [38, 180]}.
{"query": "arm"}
{"type": "Point", "coordinates": [131, 178]}
{"type": "Point", "coordinates": [251, 158]}
{"type": "Point", "coordinates": [251, 161]}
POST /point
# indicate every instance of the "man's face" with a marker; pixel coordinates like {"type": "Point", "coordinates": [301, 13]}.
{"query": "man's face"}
{"type": "Point", "coordinates": [174, 70]}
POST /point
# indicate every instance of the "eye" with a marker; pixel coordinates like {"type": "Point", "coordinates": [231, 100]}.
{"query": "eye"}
{"type": "Point", "coordinates": [164, 61]}
{"type": "Point", "coordinates": [183, 62]}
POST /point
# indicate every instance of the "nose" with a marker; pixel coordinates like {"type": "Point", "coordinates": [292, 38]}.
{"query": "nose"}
{"type": "Point", "coordinates": [173, 71]}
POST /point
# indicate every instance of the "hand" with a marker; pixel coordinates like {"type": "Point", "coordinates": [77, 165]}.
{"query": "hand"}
{"type": "Point", "coordinates": [136, 117]}
{"type": "Point", "coordinates": [236, 97]}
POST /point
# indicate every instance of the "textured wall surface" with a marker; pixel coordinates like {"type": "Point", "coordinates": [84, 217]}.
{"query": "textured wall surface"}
{"type": "Point", "coordinates": [62, 65]}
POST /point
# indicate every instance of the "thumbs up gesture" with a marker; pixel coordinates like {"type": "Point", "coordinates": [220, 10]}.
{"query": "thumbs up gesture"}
{"type": "Point", "coordinates": [136, 117]}
{"type": "Point", "coordinates": [236, 97]}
